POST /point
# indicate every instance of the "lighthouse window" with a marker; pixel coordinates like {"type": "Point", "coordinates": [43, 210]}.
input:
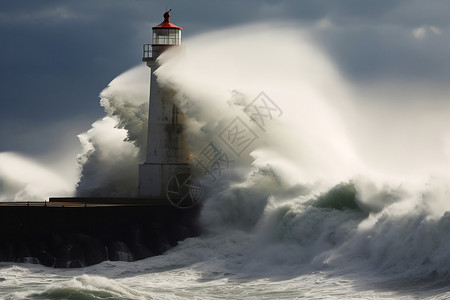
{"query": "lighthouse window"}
{"type": "Point", "coordinates": [166, 36]}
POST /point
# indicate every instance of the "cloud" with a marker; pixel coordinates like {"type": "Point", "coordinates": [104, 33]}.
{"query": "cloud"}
{"type": "Point", "coordinates": [421, 32]}
{"type": "Point", "coordinates": [44, 14]}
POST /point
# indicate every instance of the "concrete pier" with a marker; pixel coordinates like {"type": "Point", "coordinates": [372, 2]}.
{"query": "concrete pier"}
{"type": "Point", "coordinates": [77, 232]}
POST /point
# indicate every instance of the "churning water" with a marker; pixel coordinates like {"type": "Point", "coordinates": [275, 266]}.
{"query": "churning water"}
{"type": "Point", "coordinates": [316, 187]}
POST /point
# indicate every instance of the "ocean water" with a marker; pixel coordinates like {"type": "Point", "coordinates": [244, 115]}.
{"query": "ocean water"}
{"type": "Point", "coordinates": [330, 260]}
{"type": "Point", "coordinates": [319, 188]}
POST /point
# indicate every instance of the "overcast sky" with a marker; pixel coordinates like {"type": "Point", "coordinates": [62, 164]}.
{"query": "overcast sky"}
{"type": "Point", "coordinates": [56, 56]}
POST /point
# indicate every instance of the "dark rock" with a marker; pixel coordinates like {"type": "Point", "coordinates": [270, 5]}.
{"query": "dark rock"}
{"type": "Point", "coordinates": [140, 251]}
{"type": "Point", "coordinates": [46, 258]}
{"type": "Point", "coordinates": [70, 255]}
{"type": "Point", "coordinates": [94, 250]}
{"type": "Point", "coordinates": [28, 259]}
{"type": "Point", "coordinates": [76, 263]}
{"type": "Point", "coordinates": [119, 251]}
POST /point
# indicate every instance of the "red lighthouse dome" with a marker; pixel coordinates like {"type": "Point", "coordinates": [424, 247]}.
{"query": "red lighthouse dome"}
{"type": "Point", "coordinates": [166, 23]}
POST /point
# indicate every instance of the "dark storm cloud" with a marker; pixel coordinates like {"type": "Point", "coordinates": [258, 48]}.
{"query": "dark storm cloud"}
{"type": "Point", "coordinates": [386, 44]}
{"type": "Point", "coordinates": [56, 56]}
{"type": "Point", "coordinates": [56, 59]}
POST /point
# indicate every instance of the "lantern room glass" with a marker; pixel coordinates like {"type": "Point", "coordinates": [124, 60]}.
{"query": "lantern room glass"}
{"type": "Point", "coordinates": [165, 36]}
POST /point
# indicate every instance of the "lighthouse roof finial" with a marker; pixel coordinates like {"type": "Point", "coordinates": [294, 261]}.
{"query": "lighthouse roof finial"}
{"type": "Point", "coordinates": [167, 15]}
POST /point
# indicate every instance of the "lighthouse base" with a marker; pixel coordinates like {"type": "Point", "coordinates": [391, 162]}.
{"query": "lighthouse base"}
{"type": "Point", "coordinates": [154, 178]}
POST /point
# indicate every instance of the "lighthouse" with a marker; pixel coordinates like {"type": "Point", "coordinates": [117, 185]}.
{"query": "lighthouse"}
{"type": "Point", "coordinates": [166, 171]}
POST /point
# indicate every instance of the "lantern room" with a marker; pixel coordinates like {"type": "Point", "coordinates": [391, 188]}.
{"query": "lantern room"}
{"type": "Point", "coordinates": [165, 35]}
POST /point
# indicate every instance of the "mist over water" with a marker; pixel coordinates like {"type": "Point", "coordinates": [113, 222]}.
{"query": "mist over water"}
{"type": "Point", "coordinates": [25, 179]}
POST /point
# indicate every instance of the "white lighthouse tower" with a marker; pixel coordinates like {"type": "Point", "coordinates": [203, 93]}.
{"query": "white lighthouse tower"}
{"type": "Point", "coordinates": [165, 172]}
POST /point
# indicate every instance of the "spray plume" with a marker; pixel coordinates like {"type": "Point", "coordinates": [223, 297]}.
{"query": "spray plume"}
{"type": "Point", "coordinates": [112, 148]}
{"type": "Point", "coordinates": [341, 175]}
{"type": "Point", "coordinates": [391, 146]}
